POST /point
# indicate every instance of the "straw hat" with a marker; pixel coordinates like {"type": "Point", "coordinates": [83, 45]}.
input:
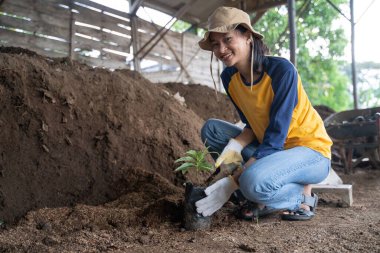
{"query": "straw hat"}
{"type": "Point", "coordinates": [223, 20]}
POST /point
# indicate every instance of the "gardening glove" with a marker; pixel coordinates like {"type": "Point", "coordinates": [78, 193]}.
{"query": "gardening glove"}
{"type": "Point", "coordinates": [217, 195]}
{"type": "Point", "coordinates": [230, 154]}
{"type": "Point", "coordinates": [224, 170]}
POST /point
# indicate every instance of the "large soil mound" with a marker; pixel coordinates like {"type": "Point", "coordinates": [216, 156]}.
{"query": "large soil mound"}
{"type": "Point", "coordinates": [90, 152]}
{"type": "Point", "coordinates": [74, 134]}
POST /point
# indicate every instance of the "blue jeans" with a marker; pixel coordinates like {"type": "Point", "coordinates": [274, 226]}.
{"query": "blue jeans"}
{"type": "Point", "coordinates": [277, 180]}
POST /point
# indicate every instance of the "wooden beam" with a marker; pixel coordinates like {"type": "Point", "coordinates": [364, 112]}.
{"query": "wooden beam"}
{"type": "Point", "coordinates": [174, 52]}
{"type": "Point", "coordinates": [135, 4]}
{"type": "Point", "coordinates": [163, 30]}
{"type": "Point", "coordinates": [169, 10]}
{"type": "Point", "coordinates": [103, 8]}
{"type": "Point", "coordinates": [243, 5]}
{"type": "Point", "coordinates": [266, 6]}
{"type": "Point", "coordinates": [187, 65]}
{"type": "Point", "coordinates": [257, 17]}
{"type": "Point", "coordinates": [30, 41]}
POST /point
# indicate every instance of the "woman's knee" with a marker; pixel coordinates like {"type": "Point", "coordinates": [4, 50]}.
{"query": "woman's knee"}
{"type": "Point", "coordinates": [207, 129]}
{"type": "Point", "coordinates": [254, 187]}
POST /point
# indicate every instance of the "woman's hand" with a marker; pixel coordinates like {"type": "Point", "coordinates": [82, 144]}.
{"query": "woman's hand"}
{"type": "Point", "coordinates": [231, 153]}
{"type": "Point", "coordinates": [237, 173]}
{"type": "Point", "coordinates": [217, 195]}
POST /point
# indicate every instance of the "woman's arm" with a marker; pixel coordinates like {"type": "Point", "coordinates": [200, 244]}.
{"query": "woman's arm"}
{"type": "Point", "coordinates": [245, 137]}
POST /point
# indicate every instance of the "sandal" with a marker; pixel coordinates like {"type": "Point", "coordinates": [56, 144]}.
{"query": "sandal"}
{"type": "Point", "coordinates": [237, 198]}
{"type": "Point", "coordinates": [302, 214]}
{"type": "Point", "coordinates": [250, 211]}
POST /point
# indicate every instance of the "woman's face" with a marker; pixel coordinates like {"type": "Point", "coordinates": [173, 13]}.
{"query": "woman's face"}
{"type": "Point", "coordinates": [232, 48]}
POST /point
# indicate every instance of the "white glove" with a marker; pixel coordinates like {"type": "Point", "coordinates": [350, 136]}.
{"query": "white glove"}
{"type": "Point", "coordinates": [217, 195]}
{"type": "Point", "coordinates": [230, 154]}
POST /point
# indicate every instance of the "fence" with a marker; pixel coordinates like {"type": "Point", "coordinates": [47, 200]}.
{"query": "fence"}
{"type": "Point", "coordinates": [100, 36]}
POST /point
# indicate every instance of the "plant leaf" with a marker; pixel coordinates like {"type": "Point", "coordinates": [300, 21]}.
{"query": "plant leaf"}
{"type": "Point", "coordinates": [184, 167]}
{"type": "Point", "coordinates": [192, 153]}
{"type": "Point", "coordinates": [205, 167]}
{"type": "Point", "coordinates": [184, 159]}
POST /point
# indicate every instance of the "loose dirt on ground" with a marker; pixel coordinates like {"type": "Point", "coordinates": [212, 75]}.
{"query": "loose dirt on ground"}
{"type": "Point", "coordinates": [86, 165]}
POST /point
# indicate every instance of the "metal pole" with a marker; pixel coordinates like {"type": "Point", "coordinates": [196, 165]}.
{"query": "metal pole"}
{"type": "Point", "coordinates": [353, 63]}
{"type": "Point", "coordinates": [292, 29]}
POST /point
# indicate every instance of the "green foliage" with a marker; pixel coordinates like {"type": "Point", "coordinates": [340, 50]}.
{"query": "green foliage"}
{"type": "Point", "coordinates": [319, 46]}
{"type": "Point", "coordinates": [368, 83]}
{"type": "Point", "coordinates": [195, 159]}
{"type": "Point", "coordinates": [180, 26]}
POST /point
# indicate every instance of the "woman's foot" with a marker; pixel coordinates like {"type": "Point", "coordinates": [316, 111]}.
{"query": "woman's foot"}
{"type": "Point", "coordinates": [250, 211]}
{"type": "Point", "coordinates": [305, 212]}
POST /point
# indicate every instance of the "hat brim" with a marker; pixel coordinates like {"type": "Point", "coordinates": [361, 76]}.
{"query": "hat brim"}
{"type": "Point", "coordinates": [205, 43]}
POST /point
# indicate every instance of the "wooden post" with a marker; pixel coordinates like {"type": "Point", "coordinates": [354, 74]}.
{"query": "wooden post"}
{"type": "Point", "coordinates": [135, 5]}
{"type": "Point", "coordinates": [353, 63]}
{"type": "Point", "coordinates": [191, 59]}
{"type": "Point", "coordinates": [136, 60]}
{"type": "Point", "coordinates": [292, 30]}
{"type": "Point", "coordinates": [180, 61]}
{"type": "Point", "coordinates": [71, 31]}
{"type": "Point", "coordinates": [182, 52]}
{"type": "Point", "coordinates": [243, 5]}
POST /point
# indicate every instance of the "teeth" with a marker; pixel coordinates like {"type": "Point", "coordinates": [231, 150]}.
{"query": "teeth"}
{"type": "Point", "coordinates": [226, 56]}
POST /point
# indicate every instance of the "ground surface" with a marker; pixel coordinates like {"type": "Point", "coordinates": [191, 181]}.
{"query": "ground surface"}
{"type": "Point", "coordinates": [86, 165]}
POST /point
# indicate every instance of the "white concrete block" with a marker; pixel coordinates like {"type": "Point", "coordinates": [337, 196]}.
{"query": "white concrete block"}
{"type": "Point", "coordinates": [332, 179]}
{"type": "Point", "coordinates": [344, 190]}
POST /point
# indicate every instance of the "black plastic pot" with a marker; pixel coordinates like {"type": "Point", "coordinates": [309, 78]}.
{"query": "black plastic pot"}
{"type": "Point", "coordinates": [192, 219]}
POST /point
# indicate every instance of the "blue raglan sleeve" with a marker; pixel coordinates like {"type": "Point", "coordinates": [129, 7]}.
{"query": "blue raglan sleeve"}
{"type": "Point", "coordinates": [285, 89]}
{"type": "Point", "coordinates": [226, 79]}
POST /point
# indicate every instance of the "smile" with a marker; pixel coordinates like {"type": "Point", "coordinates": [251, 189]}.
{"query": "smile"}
{"type": "Point", "coordinates": [226, 57]}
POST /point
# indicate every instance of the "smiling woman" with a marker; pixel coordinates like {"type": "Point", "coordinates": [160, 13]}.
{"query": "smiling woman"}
{"type": "Point", "coordinates": [283, 147]}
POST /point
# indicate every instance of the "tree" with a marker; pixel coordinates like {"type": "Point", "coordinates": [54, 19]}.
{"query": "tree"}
{"type": "Point", "coordinates": [320, 45]}
{"type": "Point", "coordinates": [368, 74]}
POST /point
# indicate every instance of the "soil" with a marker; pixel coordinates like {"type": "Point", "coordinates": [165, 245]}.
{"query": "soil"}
{"type": "Point", "coordinates": [204, 102]}
{"type": "Point", "coordinates": [87, 159]}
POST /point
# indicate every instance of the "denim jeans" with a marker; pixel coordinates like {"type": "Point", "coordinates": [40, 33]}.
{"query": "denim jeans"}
{"type": "Point", "coordinates": [277, 180]}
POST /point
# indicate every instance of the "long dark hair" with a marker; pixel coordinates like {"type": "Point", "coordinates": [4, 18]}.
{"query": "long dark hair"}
{"type": "Point", "coordinates": [260, 49]}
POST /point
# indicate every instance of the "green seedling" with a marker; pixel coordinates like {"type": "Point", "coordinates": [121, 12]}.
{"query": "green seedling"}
{"type": "Point", "coordinates": [194, 159]}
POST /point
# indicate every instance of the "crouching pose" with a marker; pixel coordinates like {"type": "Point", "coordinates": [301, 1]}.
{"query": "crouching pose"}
{"type": "Point", "coordinates": [283, 147]}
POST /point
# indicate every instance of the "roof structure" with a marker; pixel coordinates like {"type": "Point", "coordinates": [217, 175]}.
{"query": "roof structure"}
{"type": "Point", "coordinates": [197, 11]}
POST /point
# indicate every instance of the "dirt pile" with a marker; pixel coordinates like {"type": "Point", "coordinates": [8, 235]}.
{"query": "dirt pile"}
{"type": "Point", "coordinates": [203, 102]}
{"type": "Point", "coordinates": [73, 134]}
{"type": "Point", "coordinates": [73, 137]}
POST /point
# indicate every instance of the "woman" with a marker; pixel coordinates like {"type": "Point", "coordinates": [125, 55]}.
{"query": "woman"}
{"type": "Point", "coordinates": [284, 145]}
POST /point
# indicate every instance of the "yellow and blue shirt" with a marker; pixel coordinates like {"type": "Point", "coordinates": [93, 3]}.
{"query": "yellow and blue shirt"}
{"type": "Point", "coordinates": [277, 109]}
